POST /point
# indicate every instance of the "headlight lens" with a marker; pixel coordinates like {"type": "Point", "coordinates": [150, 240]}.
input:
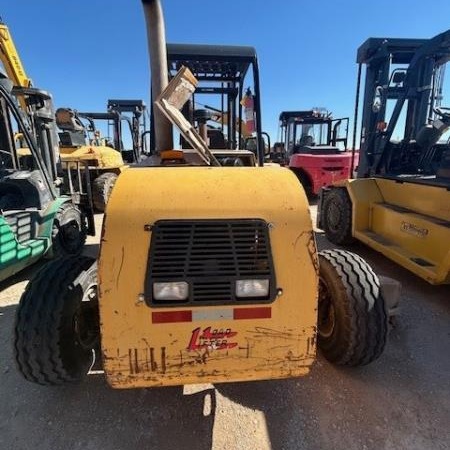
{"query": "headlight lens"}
{"type": "Point", "coordinates": [176, 290]}
{"type": "Point", "coordinates": [252, 288]}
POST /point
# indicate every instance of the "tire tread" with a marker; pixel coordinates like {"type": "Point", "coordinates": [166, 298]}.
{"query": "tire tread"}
{"type": "Point", "coordinates": [365, 326]}
{"type": "Point", "coordinates": [38, 319]}
{"type": "Point", "coordinates": [101, 188]}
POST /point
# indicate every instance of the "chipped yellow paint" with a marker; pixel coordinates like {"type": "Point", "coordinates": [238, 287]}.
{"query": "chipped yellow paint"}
{"type": "Point", "coordinates": [138, 353]}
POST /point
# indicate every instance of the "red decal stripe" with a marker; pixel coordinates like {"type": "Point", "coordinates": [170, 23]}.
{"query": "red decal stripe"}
{"type": "Point", "coordinates": [252, 313]}
{"type": "Point", "coordinates": [171, 316]}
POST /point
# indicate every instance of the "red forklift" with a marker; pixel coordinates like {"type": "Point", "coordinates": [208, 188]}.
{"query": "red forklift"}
{"type": "Point", "coordinates": [314, 146]}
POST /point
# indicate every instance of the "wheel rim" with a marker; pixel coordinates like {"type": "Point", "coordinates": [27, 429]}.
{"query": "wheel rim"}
{"type": "Point", "coordinates": [334, 215]}
{"type": "Point", "coordinates": [326, 314]}
{"type": "Point", "coordinates": [86, 320]}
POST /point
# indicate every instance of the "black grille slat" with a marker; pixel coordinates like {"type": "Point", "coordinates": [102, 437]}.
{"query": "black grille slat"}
{"type": "Point", "coordinates": [206, 293]}
{"type": "Point", "coordinates": [210, 255]}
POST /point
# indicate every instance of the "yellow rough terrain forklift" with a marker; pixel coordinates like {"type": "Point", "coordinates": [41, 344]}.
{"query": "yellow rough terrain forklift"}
{"type": "Point", "coordinates": [209, 273]}
{"type": "Point", "coordinates": [399, 204]}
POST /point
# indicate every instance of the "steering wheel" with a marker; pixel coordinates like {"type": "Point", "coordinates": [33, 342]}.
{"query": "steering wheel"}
{"type": "Point", "coordinates": [442, 111]}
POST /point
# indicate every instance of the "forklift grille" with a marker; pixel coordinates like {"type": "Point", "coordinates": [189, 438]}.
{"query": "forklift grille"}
{"type": "Point", "coordinates": [210, 255]}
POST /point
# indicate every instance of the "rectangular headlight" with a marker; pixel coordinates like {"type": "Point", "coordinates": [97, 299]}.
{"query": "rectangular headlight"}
{"type": "Point", "coordinates": [176, 290]}
{"type": "Point", "coordinates": [252, 288]}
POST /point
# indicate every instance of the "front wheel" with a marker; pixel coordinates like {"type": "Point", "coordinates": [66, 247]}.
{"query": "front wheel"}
{"type": "Point", "coordinates": [336, 214]}
{"type": "Point", "coordinates": [352, 319]}
{"type": "Point", "coordinates": [101, 190]}
{"type": "Point", "coordinates": [57, 331]}
{"type": "Point", "coordinates": [69, 231]}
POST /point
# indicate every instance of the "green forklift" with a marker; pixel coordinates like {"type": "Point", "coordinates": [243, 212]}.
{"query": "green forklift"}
{"type": "Point", "coordinates": [36, 220]}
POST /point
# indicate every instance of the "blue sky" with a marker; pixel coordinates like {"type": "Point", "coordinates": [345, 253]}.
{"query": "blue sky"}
{"type": "Point", "coordinates": [87, 51]}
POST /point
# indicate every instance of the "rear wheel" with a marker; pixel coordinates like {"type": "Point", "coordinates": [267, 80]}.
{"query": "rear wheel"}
{"type": "Point", "coordinates": [336, 214]}
{"type": "Point", "coordinates": [101, 190]}
{"type": "Point", "coordinates": [69, 231]}
{"type": "Point", "coordinates": [352, 319]}
{"type": "Point", "coordinates": [57, 329]}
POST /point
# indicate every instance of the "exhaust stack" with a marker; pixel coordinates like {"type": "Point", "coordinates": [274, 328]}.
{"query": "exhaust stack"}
{"type": "Point", "coordinates": [156, 36]}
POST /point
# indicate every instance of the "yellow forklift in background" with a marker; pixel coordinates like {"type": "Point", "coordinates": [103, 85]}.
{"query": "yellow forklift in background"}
{"type": "Point", "coordinates": [81, 142]}
{"type": "Point", "coordinates": [399, 203]}
{"type": "Point", "coordinates": [206, 273]}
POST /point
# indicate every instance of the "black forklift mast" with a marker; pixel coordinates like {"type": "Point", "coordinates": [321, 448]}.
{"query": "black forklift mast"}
{"type": "Point", "coordinates": [40, 124]}
{"type": "Point", "coordinates": [110, 117]}
{"type": "Point", "coordinates": [138, 123]}
{"type": "Point", "coordinates": [226, 66]}
{"type": "Point", "coordinates": [407, 71]}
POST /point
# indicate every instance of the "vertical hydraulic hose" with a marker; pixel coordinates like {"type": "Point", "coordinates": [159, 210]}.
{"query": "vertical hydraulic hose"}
{"type": "Point", "coordinates": [355, 122]}
{"type": "Point", "coordinates": [156, 37]}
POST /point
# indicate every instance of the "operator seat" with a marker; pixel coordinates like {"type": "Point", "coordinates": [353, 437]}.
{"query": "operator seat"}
{"type": "Point", "coordinates": [304, 144]}
{"type": "Point", "coordinates": [216, 139]}
{"type": "Point", "coordinates": [73, 133]}
{"type": "Point", "coordinates": [66, 119]}
{"type": "Point", "coordinates": [306, 140]}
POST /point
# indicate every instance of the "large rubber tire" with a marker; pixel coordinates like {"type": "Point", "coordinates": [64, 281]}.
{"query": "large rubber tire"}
{"type": "Point", "coordinates": [57, 325]}
{"type": "Point", "coordinates": [352, 319]}
{"type": "Point", "coordinates": [69, 231]}
{"type": "Point", "coordinates": [101, 190]}
{"type": "Point", "coordinates": [336, 216]}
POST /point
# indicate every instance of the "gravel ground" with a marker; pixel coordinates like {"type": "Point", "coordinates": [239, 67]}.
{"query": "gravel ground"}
{"type": "Point", "coordinates": [402, 401]}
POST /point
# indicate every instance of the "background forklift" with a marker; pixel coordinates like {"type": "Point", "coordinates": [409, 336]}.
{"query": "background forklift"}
{"type": "Point", "coordinates": [104, 156]}
{"type": "Point", "coordinates": [212, 277]}
{"type": "Point", "coordinates": [314, 146]}
{"type": "Point", "coordinates": [399, 204]}
{"type": "Point", "coordinates": [134, 114]}
{"type": "Point", "coordinates": [35, 219]}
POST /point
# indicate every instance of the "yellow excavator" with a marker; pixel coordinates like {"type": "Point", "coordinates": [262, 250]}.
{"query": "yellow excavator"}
{"type": "Point", "coordinates": [104, 163]}
{"type": "Point", "coordinates": [207, 273]}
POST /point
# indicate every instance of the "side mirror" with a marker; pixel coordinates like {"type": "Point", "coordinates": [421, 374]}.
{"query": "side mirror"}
{"type": "Point", "coordinates": [377, 99]}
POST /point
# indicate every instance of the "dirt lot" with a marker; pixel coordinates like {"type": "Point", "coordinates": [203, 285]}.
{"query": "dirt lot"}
{"type": "Point", "coordinates": [402, 401]}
